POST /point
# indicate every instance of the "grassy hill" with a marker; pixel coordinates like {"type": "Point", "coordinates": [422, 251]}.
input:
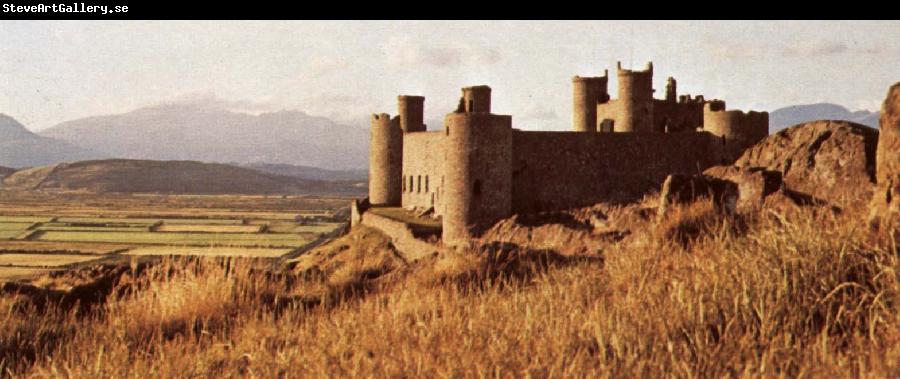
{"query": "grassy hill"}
{"type": "Point", "coordinates": [183, 177]}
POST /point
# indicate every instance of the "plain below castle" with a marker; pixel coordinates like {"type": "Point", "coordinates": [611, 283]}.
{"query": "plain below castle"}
{"type": "Point", "coordinates": [479, 169]}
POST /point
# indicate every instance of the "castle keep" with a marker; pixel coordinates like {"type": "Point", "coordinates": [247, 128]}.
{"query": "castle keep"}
{"type": "Point", "coordinates": [479, 169]}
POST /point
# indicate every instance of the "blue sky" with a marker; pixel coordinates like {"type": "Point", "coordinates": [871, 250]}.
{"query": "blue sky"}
{"type": "Point", "coordinates": [62, 70]}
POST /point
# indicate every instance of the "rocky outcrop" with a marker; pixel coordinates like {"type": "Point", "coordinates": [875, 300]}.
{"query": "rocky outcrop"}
{"type": "Point", "coordinates": [685, 188]}
{"type": "Point", "coordinates": [829, 160]}
{"type": "Point", "coordinates": [753, 184]}
{"type": "Point", "coordinates": [885, 205]}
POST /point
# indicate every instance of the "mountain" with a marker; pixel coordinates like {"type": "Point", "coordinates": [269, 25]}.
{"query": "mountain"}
{"type": "Point", "coordinates": [181, 177]}
{"type": "Point", "coordinates": [311, 173]}
{"type": "Point", "coordinates": [21, 148]}
{"type": "Point", "coordinates": [789, 116]}
{"type": "Point", "coordinates": [203, 132]}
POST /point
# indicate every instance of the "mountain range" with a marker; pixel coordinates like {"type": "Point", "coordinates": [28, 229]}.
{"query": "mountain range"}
{"type": "Point", "coordinates": [211, 134]}
{"type": "Point", "coordinates": [289, 143]}
{"type": "Point", "coordinates": [789, 116]}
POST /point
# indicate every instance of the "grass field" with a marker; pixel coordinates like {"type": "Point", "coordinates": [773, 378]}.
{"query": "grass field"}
{"type": "Point", "coordinates": [18, 246]}
{"type": "Point", "coordinates": [8, 226]}
{"type": "Point", "coordinates": [43, 260]}
{"type": "Point", "coordinates": [209, 251]}
{"type": "Point", "coordinates": [13, 273]}
{"type": "Point", "coordinates": [45, 230]}
{"type": "Point", "coordinates": [191, 239]}
{"type": "Point", "coordinates": [209, 228]}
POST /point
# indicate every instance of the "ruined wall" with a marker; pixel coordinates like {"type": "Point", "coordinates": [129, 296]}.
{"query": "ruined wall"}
{"type": "Point", "coordinates": [586, 94]}
{"type": "Point", "coordinates": [411, 110]}
{"type": "Point", "coordinates": [423, 170]}
{"type": "Point", "coordinates": [558, 170]}
{"type": "Point", "coordinates": [679, 116]}
{"type": "Point", "coordinates": [478, 169]}
{"type": "Point", "coordinates": [410, 247]}
{"type": "Point", "coordinates": [385, 160]}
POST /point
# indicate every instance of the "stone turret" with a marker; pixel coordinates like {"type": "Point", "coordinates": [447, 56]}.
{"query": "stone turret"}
{"type": "Point", "coordinates": [671, 90]}
{"type": "Point", "coordinates": [411, 110]}
{"type": "Point", "coordinates": [587, 92]}
{"type": "Point", "coordinates": [385, 161]}
{"type": "Point", "coordinates": [478, 168]}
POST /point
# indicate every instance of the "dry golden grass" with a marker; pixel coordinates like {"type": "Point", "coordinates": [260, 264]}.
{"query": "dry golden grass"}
{"type": "Point", "coordinates": [797, 293]}
{"type": "Point", "coordinates": [15, 273]}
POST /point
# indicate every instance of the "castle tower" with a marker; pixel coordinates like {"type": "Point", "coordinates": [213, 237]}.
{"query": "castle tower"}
{"type": "Point", "coordinates": [636, 96]}
{"type": "Point", "coordinates": [478, 168]}
{"type": "Point", "coordinates": [476, 99]}
{"type": "Point", "coordinates": [385, 161]}
{"type": "Point", "coordinates": [671, 90]}
{"type": "Point", "coordinates": [411, 110]}
{"type": "Point", "coordinates": [587, 92]}
{"type": "Point", "coordinates": [736, 130]}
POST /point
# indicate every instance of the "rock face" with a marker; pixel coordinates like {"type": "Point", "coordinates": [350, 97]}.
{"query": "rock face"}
{"type": "Point", "coordinates": [885, 204]}
{"type": "Point", "coordinates": [685, 188]}
{"type": "Point", "coordinates": [753, 184]}
{"type": "Point", "coordinates": [829, 160]}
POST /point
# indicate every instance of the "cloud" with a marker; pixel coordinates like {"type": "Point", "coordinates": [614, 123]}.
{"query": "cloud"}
{"type": "Point", "coordinates": [209, 99]}
{"type": "Point", "coordinates": [406, 51]}
{"type": "Point", "coordinates": [815, 48]}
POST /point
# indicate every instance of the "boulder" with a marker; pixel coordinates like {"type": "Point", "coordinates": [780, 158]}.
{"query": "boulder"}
{"type": "Point", "coordinates": [680, 188]}
{"type": "Point", "coordinates": [753, 184]}
{"type": "Point", "coordinates": [828, 160]}
{"type": "Point", "coordinates": [885, 205]}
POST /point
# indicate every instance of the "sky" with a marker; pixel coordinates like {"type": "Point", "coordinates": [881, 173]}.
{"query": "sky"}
{"type": "Point", "coordinates": [55, 71]}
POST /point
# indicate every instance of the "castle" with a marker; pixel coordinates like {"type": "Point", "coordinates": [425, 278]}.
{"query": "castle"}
{"type": "Point", "coordinates": [479, 169]}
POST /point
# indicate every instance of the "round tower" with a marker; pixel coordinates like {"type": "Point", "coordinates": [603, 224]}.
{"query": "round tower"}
{"type": "Point", "coordinates": [385, 161]}
{"type": "Point", "coordinates": [477, 99]}
{"type": "Point", "coordinates": [736, 130]}
{"type": "Point", "coordinates": [636, 98]}
{"type": "Point", "coordinates": [587, 92]}
{"type": "Point", "coordinates": [411, 110]}
{"type": "Point", "coordinates": [478, 169]}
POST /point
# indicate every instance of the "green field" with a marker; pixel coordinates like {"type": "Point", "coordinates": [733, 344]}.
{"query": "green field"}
{"type": "Point", "coordinates": [210, 251]}
{"type": "Point", "coordinates": [189, 239]}
{"type": "Point", "coordinates": [7, 226]}
{"type": "Point", "coordinates": [44, 231]}
{"type": "Point", "coordinates": [28, 219]}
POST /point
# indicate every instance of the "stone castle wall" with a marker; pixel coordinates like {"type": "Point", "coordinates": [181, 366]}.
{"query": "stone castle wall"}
{"type": "Point", "coordinates": [423, 170]}
{"type": "Point", "coordinates": [558, 170]}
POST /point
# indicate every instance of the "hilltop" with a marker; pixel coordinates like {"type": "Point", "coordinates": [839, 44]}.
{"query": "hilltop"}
{"type": "Point", "coordinates": [21, 148]}
{"type": "Point", "coordinates": [797, 114]}
{"type": "Point", "coordinates": [183, 177]}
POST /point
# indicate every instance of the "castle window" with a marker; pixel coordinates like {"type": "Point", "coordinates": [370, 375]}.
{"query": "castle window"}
{"type": "Point", "coordinates": [419, 188]}
{"type": "Point", "coordinates": [403, 183]}
{"type": "Point", "coordinates": [426, 183]}
{"type": "Point", "coordinates": [471, 106]}
{"type": "Point", "coordinates": [476, 189]}
{"type": "Point", "coordinates": [411, 188]}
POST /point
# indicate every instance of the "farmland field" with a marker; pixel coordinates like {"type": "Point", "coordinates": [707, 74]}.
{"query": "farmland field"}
{"type": "Point", "coordinates": [43, 260]}
{"type": "Point", "coordinates": [190, 239]}
{"type": "Point", "coordinates": [209, 251]}
{"type": "Point", "coordinates": [40, 231]}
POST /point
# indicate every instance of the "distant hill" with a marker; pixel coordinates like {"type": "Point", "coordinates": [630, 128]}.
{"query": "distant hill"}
{"type": "Point", "coordinates": [789, 116]}
{"type": "Point", "coordinates": [311, 173]}
{"type": "Point", "coordinates": [181, 177]}
{"type": "Point", "coordinates": [203, 132]}
{"type": "Point", "coordinates": [5, 171]}
{"type": "Point", "coordinates": [21, 148]}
